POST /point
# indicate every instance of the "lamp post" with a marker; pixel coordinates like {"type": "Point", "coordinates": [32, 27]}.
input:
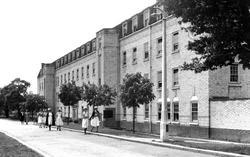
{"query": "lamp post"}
{"type": "Point", "coordinates": [163, 124]}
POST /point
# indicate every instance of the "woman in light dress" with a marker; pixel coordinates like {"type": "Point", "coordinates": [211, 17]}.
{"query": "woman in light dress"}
{"type": "Point", "coordinates": [95, 119]}
{"type": "Point", "coordinates": [44, 115]}
{"type": "Point", "coordinates": [85, 119]}
{"type": "Point", "coordinates": [50, 118]}
{"type": "Point", "coordinates": [39, 118]}
{"type": "Point", "coordinates": [59, 122]}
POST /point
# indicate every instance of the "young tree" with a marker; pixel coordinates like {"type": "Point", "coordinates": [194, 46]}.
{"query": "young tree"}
{"type": "Point", "coordinates": [102, 95]}
{"type": "Point", "coordinates": [34, 103]}
{"type": "Point", "coordinates": [69, 95]}
{"type": "Point", "coordinates": [221, 30]}
{"type": "Point", "coordinates": [136, 90]}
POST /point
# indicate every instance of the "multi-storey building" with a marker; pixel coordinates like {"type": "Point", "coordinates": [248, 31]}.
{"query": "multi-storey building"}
{"type": "Point", "coordinates": [135, 45]}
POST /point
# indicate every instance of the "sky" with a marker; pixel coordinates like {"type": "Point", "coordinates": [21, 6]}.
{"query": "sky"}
{"type": "Point", "coordinates": [40, 31]}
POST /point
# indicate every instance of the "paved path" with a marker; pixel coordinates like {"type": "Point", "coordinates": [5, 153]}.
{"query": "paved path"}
{"type": "Point", "coordinates": [74, 144]}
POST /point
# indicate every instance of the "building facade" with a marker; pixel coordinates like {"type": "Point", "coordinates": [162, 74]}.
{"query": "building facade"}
{"type": "Point", "coordinates": [135, 45]}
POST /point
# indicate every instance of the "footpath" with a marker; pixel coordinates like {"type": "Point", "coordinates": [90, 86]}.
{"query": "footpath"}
{"type": "Point", "coordinates": [213, 147]}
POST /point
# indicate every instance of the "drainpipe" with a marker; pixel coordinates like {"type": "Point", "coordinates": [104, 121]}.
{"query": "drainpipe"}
{"type": "Point", "coordinates": [150, 77]}
{"type": "Point", "coordinates": [209, 118]}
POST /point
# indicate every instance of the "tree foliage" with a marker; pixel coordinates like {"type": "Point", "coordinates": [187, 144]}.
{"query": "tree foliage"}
{"type": "Point", "coordinates": [102, 95]}
{"type": "Point", "coordinates": [135, 91]}
{"type": "Point", "coordinates": [34, 103]}
{"type": "Point", "coordinates": [14, 94]}
{"type": "Point", "coordinates": [221, 29]}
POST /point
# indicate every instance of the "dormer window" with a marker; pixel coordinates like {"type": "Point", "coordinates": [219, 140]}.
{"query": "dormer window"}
{"type": "Point", "coordinates": [93, 45]}
{"type": "Point", "coordinates": [124, 29]}
{"type": "Point", "coordinates": [134, 23]}
{"type": "Point", "coordinates": [146, 18]}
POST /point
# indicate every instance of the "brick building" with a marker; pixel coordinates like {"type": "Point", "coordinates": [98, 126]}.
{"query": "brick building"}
{"type": "Point", "coordinates": [135, 45]}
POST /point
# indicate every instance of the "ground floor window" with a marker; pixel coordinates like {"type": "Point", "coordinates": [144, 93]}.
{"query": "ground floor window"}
{"type": "Point", "coordinates": [146, 111]}
{"type": "Point", "coordinates": [124, 112]}
{"type": "Point", "coordinates": [194, 111]}
{"type": "Point", "coordinates": [159, 111]}
{"type": "Point", "coordinates": [176, 111]}
{"type": "Point", "coordinates": [168, 111]}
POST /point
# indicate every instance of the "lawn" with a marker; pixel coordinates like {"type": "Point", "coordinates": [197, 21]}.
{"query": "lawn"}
{"type": "Point", "coordinates": [12, 148]}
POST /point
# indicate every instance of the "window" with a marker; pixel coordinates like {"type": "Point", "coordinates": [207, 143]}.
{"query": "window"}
{"type": "Point", "coordinates": [234, 74]}
{"type": "Point", "coordinates": [159, 79]}
{"type": "Point", "coordinates": [88, 47]}
{"type": "Point", "coordinates": [146, 18]}
{"type": "Point", "coordinates": [65, 111]}
{"type": "Point", "coordinates": [175, 77]}
{"type": "Point", "coordinates": [100, 43]}
{"type": "Point", "coordinates": [77, 74]}
{"type": "Point", "coordinates": [134, 55]}
{"type": "Point", "coordinates": [93, 70]}
{"type": "Point", "coordinates": [146, 113]}
{"type": "Point", "coordinates": [124, 58]}
{"type": "Point", "coordinates": [134, 23]}
{"type": "Point", "coordinates": [87, 71]}
{"type": "Point", "coordinates": [73, 76]}
{"type": "Point", "coordinates": [82, 72]}
{"type": "Point", "coordinates": [175, 43]}
{"type": "Point", "coordinates": [159, 46]}
{"type": "Point", "coordinates": [93, 45]}
{"type": "Point", "coordinates": [159, 111]}
{"type": "Point", "coordinates": [124, 29]}
{"type": "Point", "coordinates": [124, 112]}
{"type": "Point", "coordinates": [168, 111]}
{"type": "Point", "coordinates": [65, 80]}
{"type": "Point", "coordinates": [176, 111]}
{"type": "Point", "coordinates": [194, 111]}
{"type": "Point", "coordinates": [61, 79]}
{"type": "Point", "coordinates": [68, 76]}
{"type": "Point", "coordinates": [146, 52]}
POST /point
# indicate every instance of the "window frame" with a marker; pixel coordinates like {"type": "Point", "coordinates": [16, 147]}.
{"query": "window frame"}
{"type": "Point", "coordinates": [176, 111]}
{"type": "Point", "coordinates": [196, 112]}
{"type": "Point", "coordinates": [175, 42]}
{"type": "Point", "coordinates": [234, 73]}
{"type": "Point", "coordinates": [175, 78]}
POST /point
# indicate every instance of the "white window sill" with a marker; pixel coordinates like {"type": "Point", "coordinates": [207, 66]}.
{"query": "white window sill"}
{"type": "Point", "coordinates": [158, 121]}
{"type": "Point", "coordinates": [146, 119]}
{"type": "Point", "coordinates": [175, 122]}
{"type": "Point", "coordinates": [234, 84]}
{"type": "Point", "coordinates": [194, 123]}
{"type": "Point", "coordinates": [176, 87]}
{"type": "Point", "coordinates": [176, 51]}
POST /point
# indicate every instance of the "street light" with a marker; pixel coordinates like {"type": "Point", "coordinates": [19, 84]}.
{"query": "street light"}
{"type": "Point", "coordinates": [163, 127]}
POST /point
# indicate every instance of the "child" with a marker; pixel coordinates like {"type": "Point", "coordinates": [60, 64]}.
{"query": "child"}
{"type": "Point", "coordinates": [85, 119]}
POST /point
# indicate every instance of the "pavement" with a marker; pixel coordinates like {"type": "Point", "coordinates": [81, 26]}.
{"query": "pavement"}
{"type": "Point", "coordinates": [72, 142]}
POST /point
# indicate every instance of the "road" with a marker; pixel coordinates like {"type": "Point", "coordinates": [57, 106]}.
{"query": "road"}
{"type": "Point", "coordinates": [73, 144]}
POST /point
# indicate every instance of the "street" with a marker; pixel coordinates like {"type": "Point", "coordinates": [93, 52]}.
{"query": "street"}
{"type": "Point", "coordinates": [73, 144]}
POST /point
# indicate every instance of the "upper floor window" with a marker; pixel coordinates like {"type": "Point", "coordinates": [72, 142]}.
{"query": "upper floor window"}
{"type": "Point", "coordinates": [73, 75]}
{"type": "Point", "coordinates": [99, 42]}
{"type": "Point", "coordinates": [146, 18]}
{"type": "Point", "coordinates": [87, 71]}
{"type": "Point", "coordinates": [175, 77]}
{"type": "Point", "coordinates": [159, 79]}
{"type": "Point", "coordinates": [77, 74]}
{"type": "Point", "coordinates": [168, 111]}
{"type": "Point", "coordinates": [124, 58]}
{"type": "Point", "coordinates": [124, 29]}
{"type": "Point", "coordinates": [65, 80]}
{"type": "Point", "coordinates": [73, 55]}
{"type": "Point", "coordinates": [83, 50]}
{"type": "Point", "coordinates": [94, 45]}
{"type": "Point", "coordinates": [146, 52]}
{"type": "Point", "coordinates": [61, 79]}
{"type": "Point", "coordinates": [234, 73]}
{"type": "Point", "coordinates": [134, 61]}
{"type": "Point", "coordinates": [88, 47]}
{"type": "Point", "coordinates": [68, 76]}
{"type": "Point", "coordinates": [82, 72]}
{"type": "Point", "coordinates": [175, 41]}
{"type": "Point", "coordinates": [159, 46]}
{"type": "Point", "coordinates": [93, 70]}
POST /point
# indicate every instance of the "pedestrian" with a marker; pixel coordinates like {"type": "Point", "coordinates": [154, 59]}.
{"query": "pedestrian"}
{"type": "Point", "coordinates": [85, 119]}
{"type": "Point", "coordinates": [95, 119]}
{"type": "Point", "coordinates": [49, 119]}
{"type": "Point", "coordinates": [44, 115]}
{"type": "Point", "coordinates": [22, 117]}
{"type": "Point", "coordinates": [26, 117]}
{"type": "Point", "coordinates": [39, 118]}
{"type": "Point", "coordinates": [59, 122]}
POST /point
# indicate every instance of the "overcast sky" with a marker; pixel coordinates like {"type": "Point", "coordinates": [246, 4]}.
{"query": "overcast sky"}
{"type": "Point", "coordinates": [40, 31]}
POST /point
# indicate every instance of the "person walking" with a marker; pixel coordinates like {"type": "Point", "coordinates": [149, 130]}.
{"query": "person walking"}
{"type": "Point", "coordinates": [49, 119]}
{"type": "Point", "coordinates": [95, 119]}
{"type": "Point", "coordinates": [26, 117]}
{"type": "Point", "coordinates": [39, 118]}
{"type": "Point", "coordinates": [22, 117]}
{"type": "Point", "coordinates": [85, 119]}
{"type": "Point", "coordinates": [59, 122]}
{"type": "Point", "coordinates": [44, 115]}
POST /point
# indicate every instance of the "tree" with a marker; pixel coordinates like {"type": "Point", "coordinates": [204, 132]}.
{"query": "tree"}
{"type": "Point", "coordinates": [136, 90]}
{"type": "Point", "coordinates": [14, 94]}
{"type": "Point", "coordinates": [69, 95]}
{"type": "Point", "coordinates": [35, 103]}
{"type": "Point", "coordinates": [221, 30]}
{"type": "Point", "coordinates": [102, 95]}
